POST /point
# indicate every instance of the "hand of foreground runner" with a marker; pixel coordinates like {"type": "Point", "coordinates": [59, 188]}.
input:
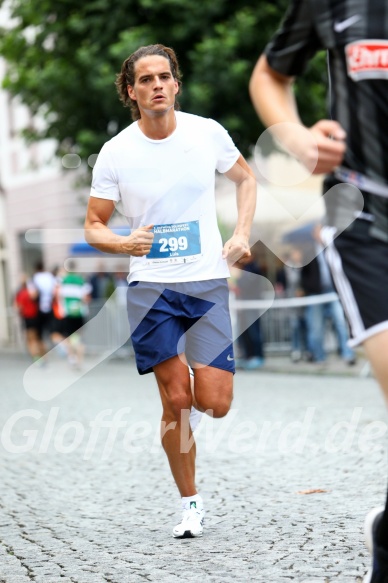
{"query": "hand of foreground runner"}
{"type": "Point", "coordinates": [139, 242]}
{"type": "Point", "coordinates": [236, 250]}
{"type": "Point", "coordinates": [330, 141]}
{"type": "Point", "coordinates": [320, 148]}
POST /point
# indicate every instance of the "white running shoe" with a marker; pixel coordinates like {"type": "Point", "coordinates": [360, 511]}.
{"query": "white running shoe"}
{"type": "Point", "coordinates": [378, 573]}
{"type": "Point", "coordinates": [191, 524]}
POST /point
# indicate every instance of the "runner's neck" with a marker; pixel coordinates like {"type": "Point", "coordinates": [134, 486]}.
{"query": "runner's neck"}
{"type": "Point", "coordinates": [158, 127]}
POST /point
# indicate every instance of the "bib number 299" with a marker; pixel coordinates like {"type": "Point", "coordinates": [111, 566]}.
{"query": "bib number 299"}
{"type": "Point", "coordinates": [173, 244]}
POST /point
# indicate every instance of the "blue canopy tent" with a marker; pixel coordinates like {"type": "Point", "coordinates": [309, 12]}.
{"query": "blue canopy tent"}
{"type": "Point", "coordinates": [83, 248]}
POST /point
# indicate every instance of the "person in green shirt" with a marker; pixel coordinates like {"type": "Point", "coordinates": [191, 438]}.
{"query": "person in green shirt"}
{"type": "Point", "coordinates": [74, 294]}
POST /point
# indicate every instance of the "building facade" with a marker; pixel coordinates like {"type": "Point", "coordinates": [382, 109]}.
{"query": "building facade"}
{"type": "Point", "coordinates": [36, 192]}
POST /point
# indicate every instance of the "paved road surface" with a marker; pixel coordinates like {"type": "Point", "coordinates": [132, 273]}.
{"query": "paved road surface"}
{"type": "Point", "coordinates": [86, 495]}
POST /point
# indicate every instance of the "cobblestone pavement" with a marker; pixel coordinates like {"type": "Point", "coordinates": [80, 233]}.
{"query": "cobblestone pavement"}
{"type": "Point", "coordinates": [86, 494]}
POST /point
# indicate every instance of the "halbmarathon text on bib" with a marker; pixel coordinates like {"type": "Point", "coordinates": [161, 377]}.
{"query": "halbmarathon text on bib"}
{"type": "Point", "coordinates": [175, 243]}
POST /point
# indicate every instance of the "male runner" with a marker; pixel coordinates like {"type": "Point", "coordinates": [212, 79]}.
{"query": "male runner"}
{"type": "Point", "coordinates": [352, 149]}
{"type": "Point", "coordinates": [162, 170]}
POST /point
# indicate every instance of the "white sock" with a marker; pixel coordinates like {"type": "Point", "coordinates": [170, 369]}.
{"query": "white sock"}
{"type": "Point", "coordinates": [195, 415]}
{"type": "Point", "coordinates": [195, 418]}
{"type": "Point", "coordinates": [196, 498]}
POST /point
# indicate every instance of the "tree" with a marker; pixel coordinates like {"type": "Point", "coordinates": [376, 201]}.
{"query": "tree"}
{"type": "Point", "coordinates": [63, 56]}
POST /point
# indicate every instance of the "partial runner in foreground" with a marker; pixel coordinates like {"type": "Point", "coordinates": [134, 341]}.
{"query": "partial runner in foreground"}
{"type": "Point", "coordinates": [352, 149]}
{"type": "Point", "coordinates": [161, 169]}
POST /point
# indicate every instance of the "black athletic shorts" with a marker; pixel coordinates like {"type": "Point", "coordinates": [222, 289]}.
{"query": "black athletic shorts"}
{"type": "Point", "coordinates": [44, 320]}
{"type": "Point", "coordinates": [72, 324]}
{"type": "Point", "coordinates": [30, 323]}
{"type": "Point", "coordinates": [359, 265]}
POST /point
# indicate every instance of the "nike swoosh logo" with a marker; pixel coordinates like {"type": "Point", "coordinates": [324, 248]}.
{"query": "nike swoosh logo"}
{"type": "Point", "coordinates": [229, 357]}
{"type": "Point", "coordinates": [344, 24]}
{"type": "Point", "coordinates": [188, 149]}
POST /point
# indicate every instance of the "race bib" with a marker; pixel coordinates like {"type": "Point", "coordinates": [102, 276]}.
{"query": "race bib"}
{"type": "Point", "coordinates": [175, 243]}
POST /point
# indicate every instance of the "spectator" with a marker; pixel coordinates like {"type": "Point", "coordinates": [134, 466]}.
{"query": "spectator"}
{"type": "Point", "coordinates": [58, 316]}
{"type": "Point", "coordinates": [44, 282]}
{"type": "Point", "coordinates": [293, 289]}
{"type": "Point", "coordinates": [119, 286]}
{"type": "Point", "coordinates": [316, 279]}
{"type": "Point", "coordinates": [74, 293]}
{"type": "Point", "coordinates": [101, 285]}
{"type": "Point", "coordinates": [26, 303]}
{"type": "Point", "coordinates": [250, 340]}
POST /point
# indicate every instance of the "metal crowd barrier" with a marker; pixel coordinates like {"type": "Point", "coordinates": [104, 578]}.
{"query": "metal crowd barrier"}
{"type": "Point", "coordinates": [275, 323]}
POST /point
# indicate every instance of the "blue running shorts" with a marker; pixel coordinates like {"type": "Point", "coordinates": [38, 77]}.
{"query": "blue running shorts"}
{"type": "Point", "coordinates": [167, 319]}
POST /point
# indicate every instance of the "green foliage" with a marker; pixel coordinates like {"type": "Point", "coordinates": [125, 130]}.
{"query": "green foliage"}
{"type": "Point", "coordinates": [64, 55]}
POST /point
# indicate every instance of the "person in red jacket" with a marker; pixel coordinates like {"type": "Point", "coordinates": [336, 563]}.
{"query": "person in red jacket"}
{"type": "Point", "coordinates": [26, 303]}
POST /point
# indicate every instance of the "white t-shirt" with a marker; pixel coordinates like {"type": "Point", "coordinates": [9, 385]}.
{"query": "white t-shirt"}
{"type": "Point", "coordinates": [170, 183]}
{"type": "Point", "coordinates": [45, 283]}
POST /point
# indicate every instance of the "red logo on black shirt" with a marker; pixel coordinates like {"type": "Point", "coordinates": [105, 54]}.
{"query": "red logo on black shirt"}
{"type": "Point", "coordinates": [367, 59]}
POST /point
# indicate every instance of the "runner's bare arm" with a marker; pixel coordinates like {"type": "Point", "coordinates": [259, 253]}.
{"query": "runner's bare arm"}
{"type": "Point", "coordinates": [99, 235]}
{"type": "Point", "coordinates": [321, 148]}
{"type": "Point", "coordinates": [238, 245]}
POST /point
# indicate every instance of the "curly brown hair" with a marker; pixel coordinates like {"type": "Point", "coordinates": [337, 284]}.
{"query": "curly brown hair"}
{"type": "Point", "coordinates": [127, 74]}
